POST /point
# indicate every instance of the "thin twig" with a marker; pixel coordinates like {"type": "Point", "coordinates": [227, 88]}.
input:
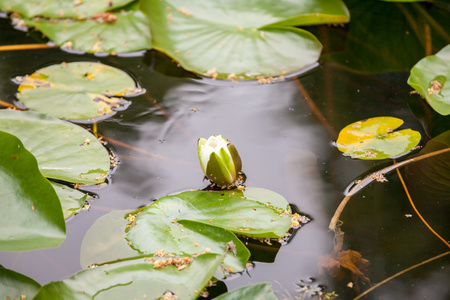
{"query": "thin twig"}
{"type": "Point", "coordinates": [9, 105]}
{"type": "Point", "coordinates": [400, 273]}
{"type": "Point", "coordinates": [370, 178]}
{"type": "Point", "coordinates": [25, 47]}
{"type": "Point", "coordinates": [417, 212]}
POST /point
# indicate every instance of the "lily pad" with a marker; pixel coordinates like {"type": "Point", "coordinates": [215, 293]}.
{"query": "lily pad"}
{"type": "Point", "coordinates": [64, 151]}
{"type": "Point", "coordinates": [14, 285]}
{"type": "Point", "coordinates": [135, 279]}
{"type": "Point", "coordinates": [374, 138]}
{"type": "Point", "coordinates": [77, 90]}
{"type": "Point", "coordinates": [255, 291]}
{"type": "Point", "coordinates": [72, 201]}
{"type": "Point", "coordinates": [106, 241]}
{"type": "Point", "coordinates": [430, 78]}
{"type": "Point", "coordinates": [114, 33]}
{"type": "Point", "coordinates": [240, 40]}
{"type": "Point", "coordinates": [230, 209]}
{"type": "Point", "coordinates": [31, 216]}
{"type": "Point", "coordinates": [61, 8]}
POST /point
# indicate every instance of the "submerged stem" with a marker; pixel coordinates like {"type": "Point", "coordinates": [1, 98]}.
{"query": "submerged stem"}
{"type": "Point", "coordinates": [400, 273]}
{"type": "Point", "coordinates": [370, 178]}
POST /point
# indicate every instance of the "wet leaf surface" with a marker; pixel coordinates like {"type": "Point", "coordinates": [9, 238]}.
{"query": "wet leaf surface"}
{"type": "Point", "coordinates": [26, 198]}
{"type": "Point", "coordinates": [113, 33]}
{"type": "Point", "coordinates": [13, 285]}
{"type": "Point", "coordinates": [76, 90]}
{"type": "Point", "coordinates": [135, 279]}
{"type": "Point", "coordinates": [375, 138]}
{"type": "Point", "coordinates": [430, 76]}
{"type": "Point", "coordinates": [106, 241]}
{"type": "Point", "coordinates": [240, 40]}
{"type": "Point", "coordinates": [189, 223]}
{"type": "Point", "coordinates": [64, 151]}
{"type": "Point", "coordinates": [72, 201]}
{"type": "Point", "coordinates": [61, 8]}
{"type": "Point", "coordinates": [256, 291]}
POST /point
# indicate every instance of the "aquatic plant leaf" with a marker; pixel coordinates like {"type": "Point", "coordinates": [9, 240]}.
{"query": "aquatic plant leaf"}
{"type": "Point", "coordinates": [127, 31]}
{"type": "Point", "coordinates": [72, 201]}
{"type": "Point", "coordinates": [429, 77]}
{"type": "Point", "coordinates": [31, 216]}
{"type": "Point", "coordinates": [374, 138]}
{"type": "Point", "coordinates": [255, 291]}
{"type": "Point", "coordinates": [61, 8]}
{"type": "Point", "coordinates": [76, 90]}
{"type": "Point", "coordinates": [106, 241]}
{"type": "Point", "coordinates": [135, 279]}
{"type": "Point", "coordinates": [64, 151]}
{"type": "Point", "coordinates": [240, 40]}
{"type": "Point", "coordinates": [254, 212]}
{"type": "Point", "coordinates": [13, 285]}
{"type": "Point", "coordinates": [346, 266]}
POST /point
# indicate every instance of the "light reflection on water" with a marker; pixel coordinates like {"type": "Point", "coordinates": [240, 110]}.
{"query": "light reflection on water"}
{"type": "Point", "coordinates": [284, 147]}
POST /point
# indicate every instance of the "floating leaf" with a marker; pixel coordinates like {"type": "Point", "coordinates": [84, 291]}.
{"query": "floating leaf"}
{"type": "Point", "coordinates": [61, 8]}
{"type": "Point", "coordinates": [64, 151]}
{"type": "Point", "coordinates": [135, 279]}
{"type": "Point", "coordinates": [31, 216]}
{"type": "Point", "coordinates": [255, 291]}
{"type": "Point", "coordinates": [430, 78]}
{"type": "Point", "coordinates": [76, 90]}
{"type": "Point", "coordinates": [72, 201]}
{"type": "Point", "coordinates": [240, 40]}
{"type": "Point", "coordinates": [124, 31]}
{"type": "Point", "coordinates": [14, 285]}
{"type": "Point", "coordinates": [374, 138]}
{"type": "Point", "coordinates": [106, 241]}
{"type": "Point", "coordinates": [265, 216]}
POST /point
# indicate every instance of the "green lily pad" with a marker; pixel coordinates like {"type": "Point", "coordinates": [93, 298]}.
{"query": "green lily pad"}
{"type": "Point", "coordinates": [233, 210]}
{"type": "Point", "coordinates": [64, 151]}
{"type": "Point", "coordinates": [135, 279]}
{"type": "Point", "coordinates": [430, 78]}
{"type": "Point", "coordinates": [31, 216]}
{"type": "Point", "coordinates": [127, 31]}
{"type": "Point", "coordinates": [374, 138]}
{"type": "Point", "coordinates": [106, 241]}
{"type": "Point", "coordinates": [72, 201]}
{"type": "Point", "coordinates": [13, 285]}
{"type": "Point", "coordinates": [61, 8]}
{"type": "Point", "coordinates": [240, 40]}
{"type": "Point", "coordinates": [255, 291]}
{"type": "Point", "coordinates": [76, 90]}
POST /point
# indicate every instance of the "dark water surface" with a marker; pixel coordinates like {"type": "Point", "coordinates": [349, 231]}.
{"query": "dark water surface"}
{"type": "Point", "coordinates": [285, 147]}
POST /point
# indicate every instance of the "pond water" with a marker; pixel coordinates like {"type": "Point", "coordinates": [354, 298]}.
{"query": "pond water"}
{"type": "Point", "coordinates": [284, 133]}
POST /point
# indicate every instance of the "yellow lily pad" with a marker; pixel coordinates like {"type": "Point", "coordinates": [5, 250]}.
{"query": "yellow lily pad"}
{"type": "Point", "coordinates": [375, 138]}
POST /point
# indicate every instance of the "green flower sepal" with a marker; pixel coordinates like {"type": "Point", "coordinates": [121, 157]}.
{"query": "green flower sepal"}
{"type": "Point", "coordinates": [219, 160]}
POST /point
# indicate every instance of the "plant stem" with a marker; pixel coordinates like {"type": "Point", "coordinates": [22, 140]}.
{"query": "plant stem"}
{"type": "Point", "coordinates": [370, 178]}
{"type": "Point", "coordinates": [400, 273]}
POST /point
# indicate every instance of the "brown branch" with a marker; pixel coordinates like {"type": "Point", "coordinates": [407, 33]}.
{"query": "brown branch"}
{"type": "Point", "coordinates": [25, 47]}
{"type": "Point", "coordinates": [372, 177]}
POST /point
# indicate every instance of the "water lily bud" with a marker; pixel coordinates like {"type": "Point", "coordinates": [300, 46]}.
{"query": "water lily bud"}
{"type": "Point", "coordinates": [219, 160]}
